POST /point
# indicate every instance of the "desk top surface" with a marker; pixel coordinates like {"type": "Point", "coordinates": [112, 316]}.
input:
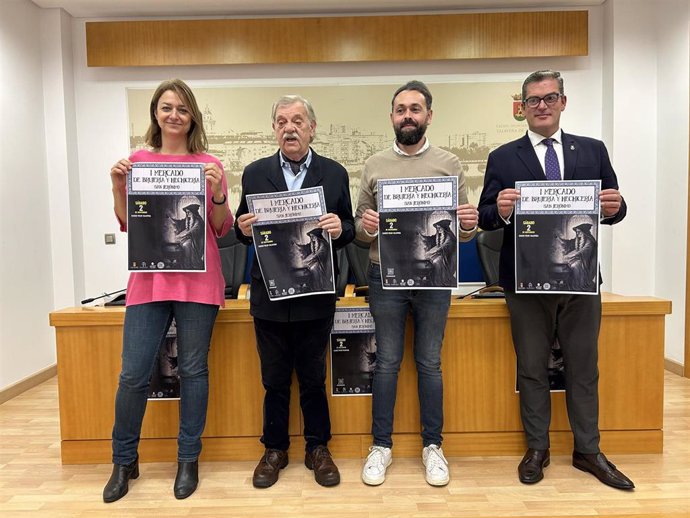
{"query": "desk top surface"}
{"type": "Point", "coordinates": [238, 310]}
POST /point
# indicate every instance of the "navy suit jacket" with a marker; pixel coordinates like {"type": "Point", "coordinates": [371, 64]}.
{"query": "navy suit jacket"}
{"type": "Point", "coordinates": [585, 159]}
{"type": "Point", "coordinates": [266, 175]}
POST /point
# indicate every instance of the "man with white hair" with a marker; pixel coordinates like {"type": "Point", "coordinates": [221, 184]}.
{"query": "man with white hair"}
{"type": "Point", "coordinates": [293, 334]}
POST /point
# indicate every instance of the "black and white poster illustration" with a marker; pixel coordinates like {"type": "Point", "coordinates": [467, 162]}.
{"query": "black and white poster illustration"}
{"type": "Point", "coordinates": [556, 237]}
{"type": "Point", "coordinates": [166, 217]}
{"type": "Point", "coordinates": [353, 352]}
{"type": "Point", "coordinates": [556, 370]}
{"type": "Point", "coordinates": [295, 255]}
{"type": "Point", "coordinates": [165, 382]}
{"type": "Point", "coordinates": [418, 245]}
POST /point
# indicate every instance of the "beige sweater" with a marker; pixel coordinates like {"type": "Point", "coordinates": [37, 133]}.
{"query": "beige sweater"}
{"type": "Point", "coordinates": [388, 164]}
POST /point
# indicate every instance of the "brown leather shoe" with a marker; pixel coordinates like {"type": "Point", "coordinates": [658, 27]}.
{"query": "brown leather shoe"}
{"type": "Point", "coordinates": [325, 471]}
{"type": "Point", "coordinates": [598, 465]}
{"type": "Point", "coordinates": [531, 467]}
{"type": "Point", "coordinates": [266, 472]}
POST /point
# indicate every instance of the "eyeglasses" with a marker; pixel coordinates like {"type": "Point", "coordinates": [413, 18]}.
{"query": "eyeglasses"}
{"type": "Point", "coordinates": [549, 99]}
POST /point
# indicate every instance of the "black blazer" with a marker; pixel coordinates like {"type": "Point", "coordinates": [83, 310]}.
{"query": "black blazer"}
{"type": "Point", "coordinates": [265, 175]}
{"type": "Point", "coordinates": [585, 159]}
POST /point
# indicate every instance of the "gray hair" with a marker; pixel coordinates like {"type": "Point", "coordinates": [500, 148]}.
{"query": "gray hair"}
{"type": "Point", "coordinates": [287, 100]}
{"type": "Point", "coordinates": [541, 75]}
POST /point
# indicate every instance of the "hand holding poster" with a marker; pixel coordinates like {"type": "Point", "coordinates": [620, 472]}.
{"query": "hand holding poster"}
{"type": "Point", "coordinates": [556, 232]}
{"type": "Point", "coordinates": [418, 226]}
{"type": "Point", "coordinates": [294, 254]}
{"type": "Point", "coordinates": [166, 211]}
{"type": "Point", "coordinates": [353, 351]}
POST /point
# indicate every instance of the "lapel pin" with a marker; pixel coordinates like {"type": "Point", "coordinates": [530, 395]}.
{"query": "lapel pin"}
{"type": "Point", "coordinates": [572, 147]}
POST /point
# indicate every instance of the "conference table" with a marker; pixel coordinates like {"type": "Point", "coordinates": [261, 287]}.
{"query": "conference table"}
{"type": "Point", "coordinates": [481, 405]}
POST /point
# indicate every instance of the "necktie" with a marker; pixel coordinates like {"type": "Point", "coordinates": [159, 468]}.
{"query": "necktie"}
{"type": "Point", "coordinates": [295, 164]}
{"type": "Point", "coordinates": [551, 167]}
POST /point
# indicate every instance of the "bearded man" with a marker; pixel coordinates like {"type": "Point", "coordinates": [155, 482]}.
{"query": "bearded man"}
{"type": "Point", "coordinates": [411, 156]}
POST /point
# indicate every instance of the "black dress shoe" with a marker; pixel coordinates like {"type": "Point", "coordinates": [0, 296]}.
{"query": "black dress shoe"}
{"type": "Point", "coordinates": [118, 484]}
{"type": "Point", "coordinates": [187, 479]}
{"type": "Point", "coordinates": [266, 472]}
{"type": "Point", "coordinates": [598, 465]}
{"type": "Point", "coordinates": [325, 471]}
{"type": "Point", "coordinates": [531, 467]}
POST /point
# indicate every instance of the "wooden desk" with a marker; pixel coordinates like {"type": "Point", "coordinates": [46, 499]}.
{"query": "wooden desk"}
{"type": "Point", "coordinates": [481, 407]}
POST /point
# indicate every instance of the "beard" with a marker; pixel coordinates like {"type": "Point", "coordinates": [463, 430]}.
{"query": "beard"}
{"type": "Point", "coordinates": [409, 137]}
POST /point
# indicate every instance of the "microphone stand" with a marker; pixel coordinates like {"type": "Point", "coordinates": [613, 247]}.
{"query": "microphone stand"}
{"type": "Point", "coordinates": [480, 290]}
{"type": "Point", "coordinates": [86, 301]}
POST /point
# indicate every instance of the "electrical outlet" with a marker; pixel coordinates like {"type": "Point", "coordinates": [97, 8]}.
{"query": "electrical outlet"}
{"type": "Point", "coordinates": [110, 239]}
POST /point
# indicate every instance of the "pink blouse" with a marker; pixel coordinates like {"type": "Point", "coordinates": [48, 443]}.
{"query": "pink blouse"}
{"type": "Point", "coordinates": [203, 287]}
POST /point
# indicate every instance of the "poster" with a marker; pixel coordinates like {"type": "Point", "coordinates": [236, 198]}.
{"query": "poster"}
{"type": "Point", "coordinates": [556, 369]}
{"type": "Point", "coordinates": [556, 237]}
{"type": "Point", "coordinates": [166, 217]}
{"type": "Point", "coordinates": [294, 254]}
{"type": "Point", "coordinates": [165, 382]}
{"type": "Point", "coordinates": [353, 352]}
{"type": "Point", "coordinates": [418, 228]}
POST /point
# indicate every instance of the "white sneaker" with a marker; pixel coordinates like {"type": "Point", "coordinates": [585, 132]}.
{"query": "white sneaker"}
{"type": "Point", "coordinates": [374, 470]}
{"type": "Point", "coordinates": [437, 473]}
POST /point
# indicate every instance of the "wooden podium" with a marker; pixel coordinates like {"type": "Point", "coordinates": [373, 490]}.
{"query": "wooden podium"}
{"type": "Point", "coordinates": [481, 407]}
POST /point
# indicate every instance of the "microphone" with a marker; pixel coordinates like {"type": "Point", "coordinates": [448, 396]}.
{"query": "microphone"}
{"type": "Point", "coordinates": [86, 301]}
{"type": "Point", "coordinates": [481, 290]}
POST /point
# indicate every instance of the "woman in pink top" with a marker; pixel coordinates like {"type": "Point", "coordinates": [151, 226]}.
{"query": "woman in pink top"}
{"type": "Point", "coordinates": [176, 134]}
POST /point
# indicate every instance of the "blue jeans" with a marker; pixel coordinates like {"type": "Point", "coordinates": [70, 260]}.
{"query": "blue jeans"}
{"type": "Point", "coordinates": [145, 328]}
{"type": "Point", "coordinates": [429, 312]}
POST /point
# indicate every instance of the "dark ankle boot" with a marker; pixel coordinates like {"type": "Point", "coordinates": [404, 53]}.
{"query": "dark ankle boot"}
{"type": "Point", "coordinates": [187, 479]}
{"type": "Point", "coordinates": [118, 485]}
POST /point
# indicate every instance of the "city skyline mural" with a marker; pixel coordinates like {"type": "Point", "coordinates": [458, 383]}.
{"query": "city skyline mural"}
{"type": "Point", "coordinates": [353, 123]}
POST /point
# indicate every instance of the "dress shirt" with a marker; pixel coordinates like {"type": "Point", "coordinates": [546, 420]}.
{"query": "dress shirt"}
{"type": "Point", "coordinates": [292, 180]}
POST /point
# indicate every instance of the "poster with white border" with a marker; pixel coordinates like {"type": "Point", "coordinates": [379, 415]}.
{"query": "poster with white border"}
{"type": "Point", "coordinates": [353, 351]}
{"type": "Point", "coordinates": [556, 237]}
{"type": "Point", "coordinates": [166, 217]}
{"type": "Point", "coordinates": [295, 255]}
{"type": "Point", "coordinates": [418, 228]}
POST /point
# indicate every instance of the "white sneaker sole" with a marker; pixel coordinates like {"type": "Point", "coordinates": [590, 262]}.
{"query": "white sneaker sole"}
{"type": "Point", "coordinates": [437, 483]}
{"type": "Point", "coordinates": [369, 481]}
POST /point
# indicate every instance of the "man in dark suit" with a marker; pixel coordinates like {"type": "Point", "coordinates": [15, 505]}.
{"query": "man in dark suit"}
{"type": "Point", "coordinates": [293, 334]}
{"type": "Point", "coordinates": [538, 319]}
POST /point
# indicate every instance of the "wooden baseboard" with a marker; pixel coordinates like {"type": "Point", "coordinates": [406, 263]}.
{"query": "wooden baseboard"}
{"type": "Point", "coordinates": [674, 367]}
{"type": "Point", "coordinates": [27, 383]}
{"type": "Point", "coordinates": [355, 446]}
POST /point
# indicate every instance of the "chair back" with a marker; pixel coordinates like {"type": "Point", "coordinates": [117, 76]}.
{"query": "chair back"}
{"type": "Point", "coordinates": [233, 261]}
{"type": "Point", "coordinates": [343, 272]}
{"type": "Point", "coordinates": [357, 253]}
{"type": "Point", "coordinates": [489, 244]}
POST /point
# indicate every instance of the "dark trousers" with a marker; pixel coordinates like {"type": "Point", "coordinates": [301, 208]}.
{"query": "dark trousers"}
{"type": "Point", "coordinates": [302, 346]}
{"type": "Point", "coordinates": [575, 320]}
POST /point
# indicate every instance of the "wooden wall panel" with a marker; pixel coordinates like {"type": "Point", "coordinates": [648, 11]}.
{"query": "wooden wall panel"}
{"type": "Point", "coordinates": [336, 39]}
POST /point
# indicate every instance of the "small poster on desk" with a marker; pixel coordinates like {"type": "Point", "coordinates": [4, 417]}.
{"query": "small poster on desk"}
{"type": "Point", "coordinates": [165, 381]}
{"type": "Point", "coordinates": [353, 352]}
{"type": "Point", "coordinates": [556, 369]}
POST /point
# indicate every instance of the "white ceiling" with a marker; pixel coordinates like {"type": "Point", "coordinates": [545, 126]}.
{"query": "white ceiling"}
{"type": "Point", "coordinates": [163, 8]}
